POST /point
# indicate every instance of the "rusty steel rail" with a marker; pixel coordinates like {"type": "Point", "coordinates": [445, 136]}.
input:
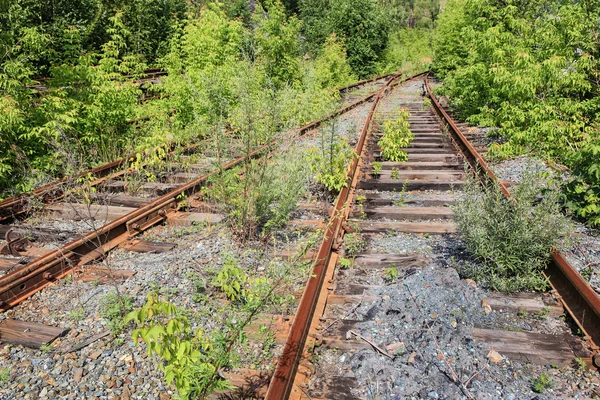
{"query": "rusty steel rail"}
{"type": "Point", "coordinates": [19, 204]}
{"type": "Point", "coordinates": [282, 381]}
{"type": "Point", "coordinates": [31, 278]}
{"type": "Point", "coordinates": [576, 295]}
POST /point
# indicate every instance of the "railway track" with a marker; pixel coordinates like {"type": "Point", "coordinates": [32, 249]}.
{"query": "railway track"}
{"type": "Point", "coordinates": [409, 198]}
{"type": "Point", "coordinates": [115, 216]}
{"type": "Point", "coordinates": [348, 282]}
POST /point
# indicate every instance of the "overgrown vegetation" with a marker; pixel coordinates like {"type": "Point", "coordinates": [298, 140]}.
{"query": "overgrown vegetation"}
{"type": "Point", "coordinates": [90, 52]}
{"type": "Point", "coordinates": [396, 137]}
{"type": "Point", "coordinates": [532, 69]}
{"type": "Point", "coordinates": [511, 240]}
{"type": "Point", "coordinates": [330, 160]}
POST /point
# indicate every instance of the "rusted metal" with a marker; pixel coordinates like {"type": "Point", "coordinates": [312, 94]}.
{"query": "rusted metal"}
{"type": "Point", "coordinates": [27, 280]}
{"type": "Point", "coordinates": [576, 295]}
{"type": "Point", "coordinates": [283, 376]}
{"type": "Point", "coordinates": [15, 243]}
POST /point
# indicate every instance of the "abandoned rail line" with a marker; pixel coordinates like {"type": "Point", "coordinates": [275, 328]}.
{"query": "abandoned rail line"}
{"type": "Point", "coordinates": [373, 204]}
{"type": "Point", "coordinates": [127, 215]}
{"type": "Point", "coordinates": [434, 170]}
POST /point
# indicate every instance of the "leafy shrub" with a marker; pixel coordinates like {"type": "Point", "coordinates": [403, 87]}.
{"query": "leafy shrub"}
{"type": "Point", "coordinates": [330, 160]}
{"type": "Point", "coordinates": [360, 23]}
{"type": "Point", "coordinates": [231, 280]}
{"type": "Point", "coordinates": [189, 358]}
{"type": "Point", "coordinates": [331, 67]}
{"type": "Point", "coordinates": [531, 69]}
{"type": "Point", "coordinates": [396, 136]}
{"type": "Point", "coordinates": [511, 239]}
{"type": "Point", "coordinates": [583, 190]}
{"type": "Point", "coordinates": [376, 168]}
{"type": "Point", "coordinates": [542, 383]}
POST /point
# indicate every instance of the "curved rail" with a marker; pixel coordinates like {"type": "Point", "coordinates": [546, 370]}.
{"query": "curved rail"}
{"type": "Point", "coordinates": [576, 295]}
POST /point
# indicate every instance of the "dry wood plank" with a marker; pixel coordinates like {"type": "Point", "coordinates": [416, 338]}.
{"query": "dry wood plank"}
{"type": "Point", "coordinates": [351, 298]}
{"type": "Point", "coordinates": [104, 275]}
{"type": "Point", "coordinates": [8, 263]}
{"type": "Point", "coordinates": [308, 223]}
{"type": "Point", "coordinates": [77, 211]}
{"type": "Point", "coordinates": [85, 342]}
{"type": "Point", "coordinates": [406, 227]}
{"type": "Point", "coordinates": [28, 334]}
{"type": "Point", "coordinates": [351, 289]}
{"type": "Point", "coordinates": [411, 185]}
{"type": "Point", "coordinates": [529, 302]}
{"type": "Point", "coordinates": [430, 175]}
{"type": "Point", "coordinates": [122, 199]}
{"type": "Point", "coordinates": [145, 246]}
{"type": "Point", "coordinates": [421, 165]}
{"type": "Point", "coordinates": [187, 219]}
{"type": "Point", "coordinates": [537, 348]}
{"type": "Point", "coordinates": [181, 177]}
{"type": "Point", "coordinates": [377, 199]}
{"type": "Point", "coordinates": [154, 188]}
{"type": "Point", "coordinates": [248, 383]}
{"type": "Point", "coordinates": [404, 261]}
{"type": "Point", "coordinates": [340, 343]}
{"type": "Point", "coordinates": [407, 213]}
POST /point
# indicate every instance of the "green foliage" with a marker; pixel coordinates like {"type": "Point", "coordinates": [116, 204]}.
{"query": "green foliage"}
{"type": "Point", "coordinates": [580, 364]}
{"type": "Point", "coordinates": [231, 280]}
{"type": "Point", "coordinates": [583, 190]}
{"type": "Point", "coordinates": [189, 358]}
{"type": "Point", "coordinates": [401, 200]}
{"type": "Point", "coordinates": [345, 263]}
{"type": "Point", "coordinates": [331, 160]}
{"type": "Point", "coordinates": [113, 307]}
{"type": "Point", "coordinates": [4, 375]}
{"type": "Point", "coordinates": [391, 274]}
{"type": "Point", "coordinates": [396, 136]}
{"type": "Point", "coordinates": [277, 40]}
{"type": "Point", "coordinates": [331, 67]}
{"type": "Point", "coordinates": [361, 23]}
{"type": "Point", "coordinates": [407, 50]}
{"type": "Point", "coordinates": [376, 168]}
{"type": "Point", "coordinates": [354, 243]}
{"type": "Point", "coordinates": [77, 313]}
{"type": "Point", "coordinates": [543, 382]}
{"type": "Point", "coordinates": [395, 174]}
{"type": "Point", "coordinates": [530, 68]}
{"type": "Point", "coordinates": [511, 239]}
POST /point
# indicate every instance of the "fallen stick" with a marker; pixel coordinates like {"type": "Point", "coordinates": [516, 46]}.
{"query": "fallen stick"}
{"type": "Point", "coordinates": [379, 349]}
{"type": "Point", "coordinates": [86, 342]}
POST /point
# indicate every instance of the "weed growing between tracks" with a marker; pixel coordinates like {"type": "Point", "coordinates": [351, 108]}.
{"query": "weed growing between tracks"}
{"type": "Point", "coordinates": [396, 137]}
{"type": "Point", "coordinates": [511, 239]}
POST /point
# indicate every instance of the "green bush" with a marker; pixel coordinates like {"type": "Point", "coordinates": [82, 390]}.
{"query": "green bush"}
{"type": "Point", "coordinates": [396, 136]}
{"type": "Point", "coordinates": [330, 161]}
{"type": "Point", "coordinates": [531, 69]}
{"type": "Point", "coordinates": [510, 240]}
